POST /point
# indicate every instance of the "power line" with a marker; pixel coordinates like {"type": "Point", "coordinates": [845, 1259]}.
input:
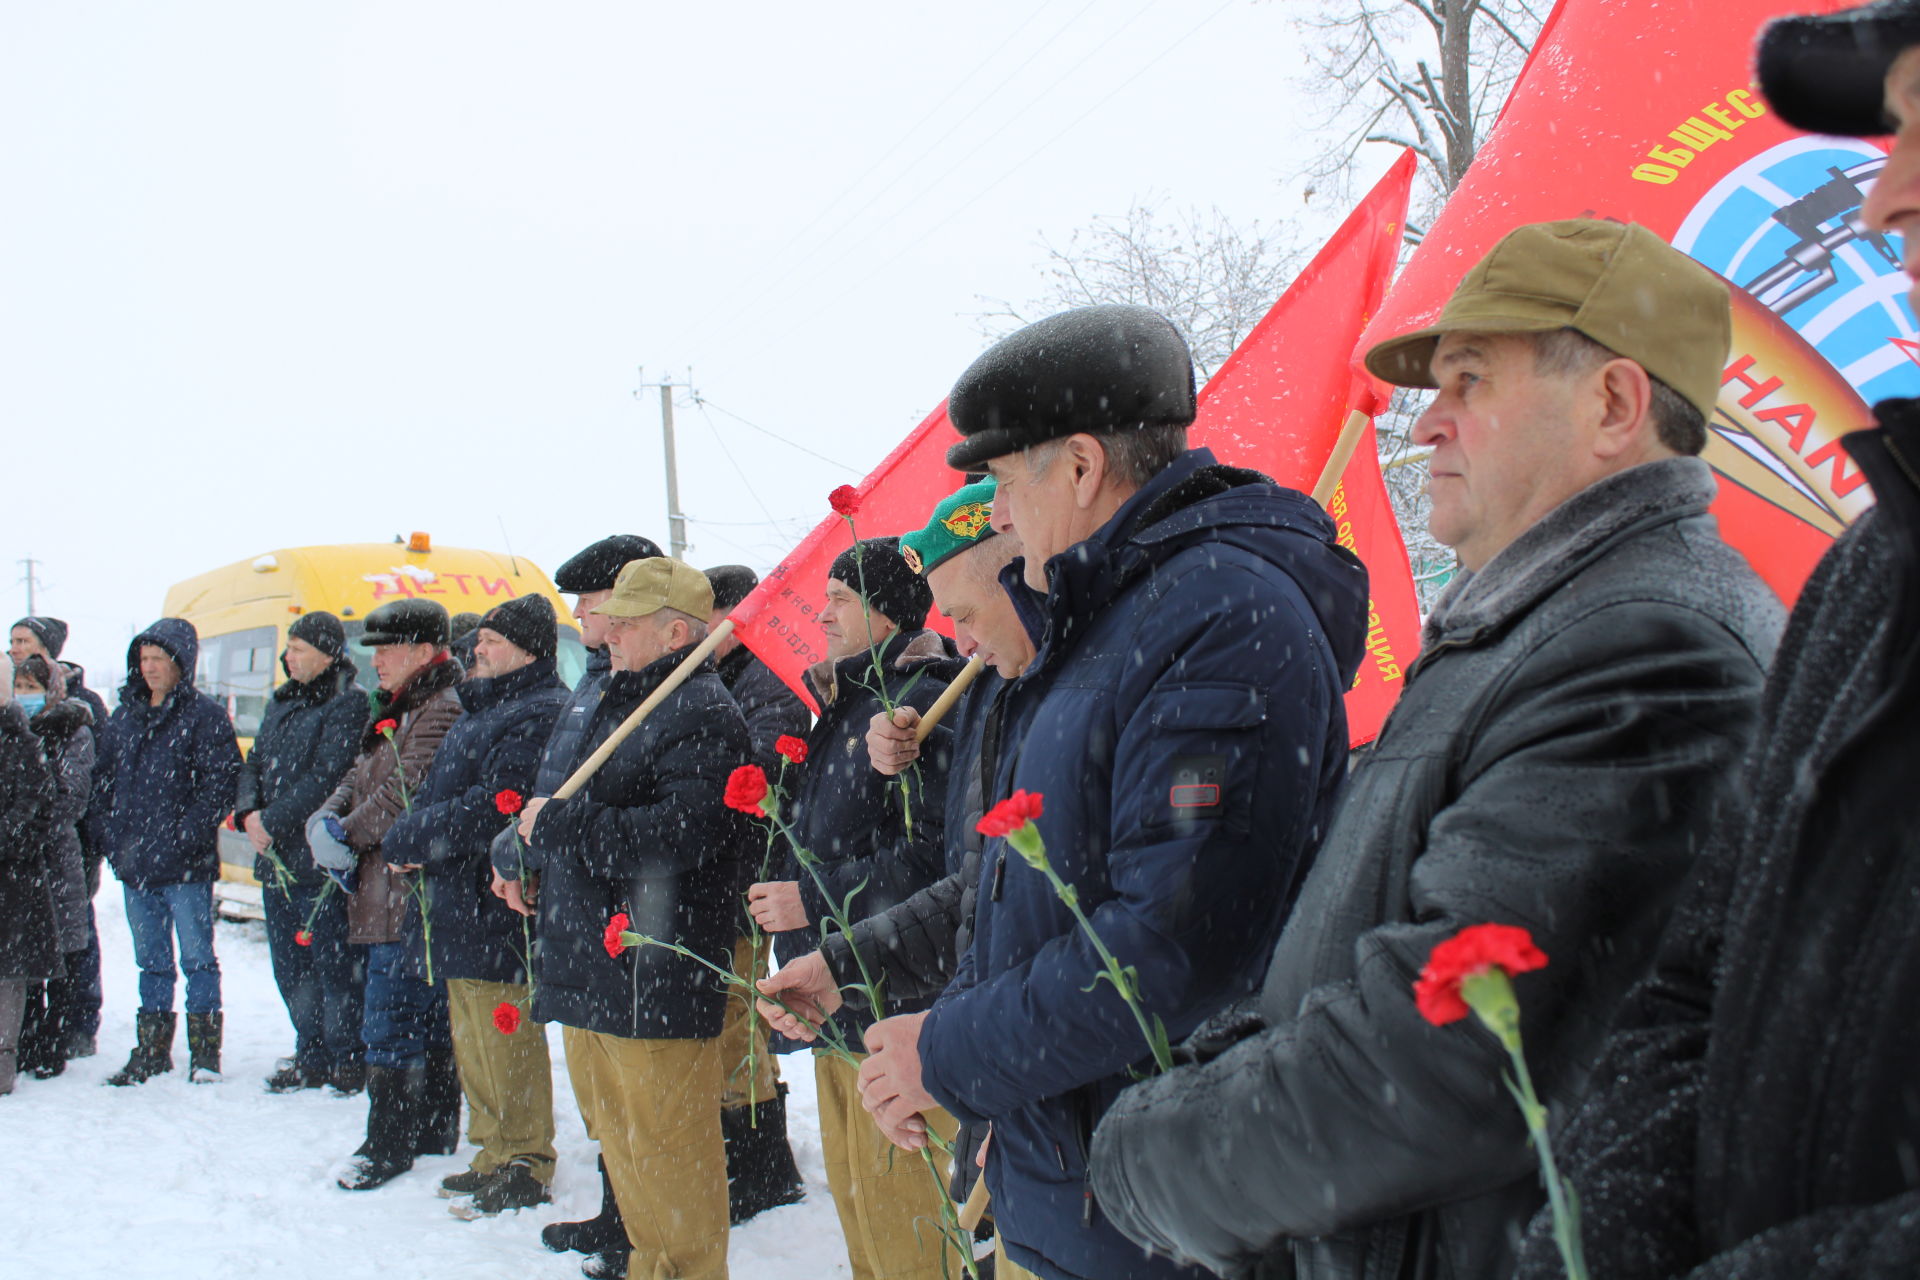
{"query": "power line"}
{"type": "Point", "coordinates": [705, 404]}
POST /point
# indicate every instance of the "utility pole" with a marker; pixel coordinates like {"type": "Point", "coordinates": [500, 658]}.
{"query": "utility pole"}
{"type": "Point", "coordinates": [676, 519]}
{"type": "Point", "coordinates": [29, 562]}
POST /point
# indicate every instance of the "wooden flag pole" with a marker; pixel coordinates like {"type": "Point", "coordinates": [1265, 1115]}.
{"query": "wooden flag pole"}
{"type": "Point", "coordinates": [677, 677]}
{"type": "Point", "coordinates": [1350, 433]}
{"type": "Point", "coordinates": [976, 1206]}
{"type": "Point", "coordinates": [948, 696]}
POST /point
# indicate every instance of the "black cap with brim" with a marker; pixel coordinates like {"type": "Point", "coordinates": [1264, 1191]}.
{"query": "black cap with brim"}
{"type": "Point", "coordinates": [1825, 73]}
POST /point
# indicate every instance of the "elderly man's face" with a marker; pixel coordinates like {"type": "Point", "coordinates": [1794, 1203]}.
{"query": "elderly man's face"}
{"type": "Point", "coordinates": [593, 626]}
{"type": "Point", "coordinates": [1037, 504]}
{"type": "Point", "coordinates": [1894, 203]}
{"type": "Point", "coordinates": [1506, 448]}
{"type": "Point", "coordinates": [495, 655]}
{"type": "Point", "coordinates": [966, 588]}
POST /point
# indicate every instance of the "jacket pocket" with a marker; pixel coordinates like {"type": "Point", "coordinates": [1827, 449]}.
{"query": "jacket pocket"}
{"type": "Point", "coordinates": [1199, 763]}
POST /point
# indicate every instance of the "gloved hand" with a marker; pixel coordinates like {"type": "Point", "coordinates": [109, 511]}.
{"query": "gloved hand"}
{"type": "Point", "coordinates": [510, 854]}
{"type": "Point", "coordinates": [328, 841]}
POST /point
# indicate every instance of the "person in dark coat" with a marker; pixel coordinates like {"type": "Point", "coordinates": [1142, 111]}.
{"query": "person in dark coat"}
{"type": "Point", "coordinates": [1195, 628]}
{"type": "Point", "coordinates": [47, 637]}
{"type": "Point", "coordinates": [1583, 686]}
{"type": "Point", "coordinates": [479, 947]}
{"type": "Point", "coordinates": [306, 744]}
{"type": "Point", "coordinates": [761, 1173]}
{"type": "Point", "coordinates": [29, 939]}
{"type": "Point", "coordinates": [915, 947]}
{"type": "Point", "coordinates": [877, 841]}
{"type": "Point", "coordinates": [172, 766]}
{"type": "Point", "coordinates": [1753, 1113]}
{"type": "Point", "coordinates": [650, 843]}
{"type": "Point", "coordinates": [63, 726]}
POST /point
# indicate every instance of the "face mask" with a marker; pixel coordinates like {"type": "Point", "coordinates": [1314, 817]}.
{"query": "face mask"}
{"type": "Point", "coordinates": [31, 703]}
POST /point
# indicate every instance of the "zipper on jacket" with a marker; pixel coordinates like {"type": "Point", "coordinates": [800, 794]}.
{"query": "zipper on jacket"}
{"type": "Point", "coordinates": [999, 874]}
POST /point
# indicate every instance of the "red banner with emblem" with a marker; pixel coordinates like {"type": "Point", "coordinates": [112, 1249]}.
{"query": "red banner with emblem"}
{"type": "Point", "coordinates": [1648, 113]}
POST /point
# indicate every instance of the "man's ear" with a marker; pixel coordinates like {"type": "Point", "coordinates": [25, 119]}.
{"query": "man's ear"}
{"type": "Point", "coordinates": [1088, 463]}
{"type": "Point", "coordinates": [1625, 395]}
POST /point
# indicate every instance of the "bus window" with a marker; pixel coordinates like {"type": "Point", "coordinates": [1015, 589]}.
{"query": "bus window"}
{"type": "Point", "coordinates": [363, 673]}
{"type": "Point", "coordinates": [571, 657]}
{"type": "Point", "coordinates": [237, 670]}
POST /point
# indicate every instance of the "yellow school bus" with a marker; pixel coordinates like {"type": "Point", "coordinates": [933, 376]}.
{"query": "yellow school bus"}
{"type": "Point", "coordinates": [242, 612]}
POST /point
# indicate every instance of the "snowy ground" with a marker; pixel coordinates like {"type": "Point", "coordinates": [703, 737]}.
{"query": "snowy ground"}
{"type": "Point", "coordinates": [210, 1181]}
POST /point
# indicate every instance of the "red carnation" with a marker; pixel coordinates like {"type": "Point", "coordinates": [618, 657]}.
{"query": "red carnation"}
{"type": "Point", "coordinates": [1473, 950]}
{"type": "Point", "coordinates": [794, 749]}
{"type": "Point", "coordinates": [303, 938]}
{"type": "Point", "coordinates": [388, 727]}
{"type": "Point", "coordinates": [845, 500]}
{"type": "Point", "coordinates": [1016, 811]}
{"type": "Point", "coordinates": [509, 802]}
{"type": "Point", "coordinates": [615, 927]}
{"type": "Point", "coordinates": [506, 1017]}
{"type": "Point", "coordinates": [746, 788]}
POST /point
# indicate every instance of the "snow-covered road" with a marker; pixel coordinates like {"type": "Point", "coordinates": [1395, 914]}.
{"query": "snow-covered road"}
{"type": "Point", "coordinates": [171, 1180]}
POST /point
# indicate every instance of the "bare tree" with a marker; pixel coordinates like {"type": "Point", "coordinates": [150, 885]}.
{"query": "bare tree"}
{"type": "Point", "coordinates": [1213, 279]}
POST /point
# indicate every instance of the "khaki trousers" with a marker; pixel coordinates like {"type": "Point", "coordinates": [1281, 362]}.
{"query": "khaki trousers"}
{"type": "Point", "coordinates": [889, 1204]}
{"type": "Point", "coordinates": [744, 1035]}
{"type": "Point", "coordinates": [508, 1080]}
{"type": "Point", "coordinates": [651, 1101]}
{"type": "Point", "coordinates": [1005, 1268]}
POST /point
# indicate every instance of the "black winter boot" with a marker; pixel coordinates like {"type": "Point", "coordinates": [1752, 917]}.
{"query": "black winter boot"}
{"type": "Point", "coordinates": [394, 1106]}
{"type": "Point", "coordinates": [152, 1051]}
{"type": "Point", "coordinates": [608, 1264]}
{"type": "Point", "coordinates": [291, 1076]}
{"type": "Point", "coordinates": [204, 1032]}
{"type": "Point", "coordinates": [512, 1186]}
{"type": "Point", "coordinates": [760, 1169]}
{"type": "Point", "coordinates": [440, 1113]}
{"type": "Point", "coordinates": [348, 1078]}
{"type": "Point", "coordinates": [604, 1231]}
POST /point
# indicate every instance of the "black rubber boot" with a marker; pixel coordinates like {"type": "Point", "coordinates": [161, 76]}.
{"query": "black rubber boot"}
{"type": "Point", "coordinates": [291, 1076]}
{"type": "Point", "coordinates": [760, 1170]}
{"type": "Point", "coordinates": [204, 1033]}
{"type": "Point", "coordinates": [152, 1051]}
{"type": "Point", "coordinates": [440, 1114]}
{"type": "Point", "coordinates": [394, 1106]}
{"type": "Point", "coordinates": [348, 1078]}
{"type": "Point", "coordinates": [603, 1231]}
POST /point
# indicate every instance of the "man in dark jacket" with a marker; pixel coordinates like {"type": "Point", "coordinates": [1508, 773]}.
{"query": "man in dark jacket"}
{"type": "Point", "coordinates": [29, 940]}
{"type": "Point", "coordinates": [172, 765]}
{"type": "Point", "coordinates": [306, 744]}
{"type": "Point", "coordinates": [1195, 628]}
{"type": "Point", "coordinates": [649, 843]}
{"type": "Point", "coordinates": [478, 946]}
{"type": "Point", "coordinates": [1753, 1115]}
{"type": "Point", "coordinates": [761, 1173]}
{"type": "Point", "coordinates": [874, 842]}
{"type": "Point", "coordinates": [1582, 687]}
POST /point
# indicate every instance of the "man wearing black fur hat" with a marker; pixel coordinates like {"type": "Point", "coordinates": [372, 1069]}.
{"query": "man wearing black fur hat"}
{"type": "Point", "coordinates": [305, 745]}
{"type": "Point", "coordinates": [1196, 626]}
{"type": "Point", "coordinates": [882, 841]}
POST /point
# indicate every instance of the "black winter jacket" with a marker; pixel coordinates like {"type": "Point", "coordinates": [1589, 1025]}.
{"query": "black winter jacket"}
{"type": "Point", "coordinates": [494, 747]}
{"type": "Point", "coordinates": [29, 942]}
{"type": "Point", "coordinates": [1552, 763]}
{"type": "Point", "coordinates": [1756, 1113]}
{"type": "Point", "coordinates": [172, 772]}
{"type": "Point", "coordinates": [651, 837]}
{"type": "Point", "coordinates": [66, 739]}
{"type": "Point", "coordinates": [307, 742]}
{"type": "Point", "coordinates": [852, 819]}
{"type": "Point", "coordinates": [510, 856]}
{"type": "Point", "coordinates": [93, 831]}
{"type": "Point", "coordinates": [770, 709]}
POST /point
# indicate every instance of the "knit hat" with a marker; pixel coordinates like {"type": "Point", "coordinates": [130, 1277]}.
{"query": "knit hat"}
{"type": "Point", "coordinates": [321, 630]}
{"type": "Point", "coordinates": [597, 567]}
{"type": "Point", "coordinates": [962, 519]}
{"type": "Point", "coordinates": [527, 622]}
{"type": "Point", "coordinates": [732, 583]}
{"type": "Point", "coordinates": [410, 621]}
{"type": "Point", "coordinates": [893, 589]}
{"type": "Point", "coordinates": [1093, 369]}
{"type": "Point", "coordinates": [51, 631]}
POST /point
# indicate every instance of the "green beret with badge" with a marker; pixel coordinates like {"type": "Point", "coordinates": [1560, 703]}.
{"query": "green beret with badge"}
{"type": "Point", "coordinates": [963, 519]}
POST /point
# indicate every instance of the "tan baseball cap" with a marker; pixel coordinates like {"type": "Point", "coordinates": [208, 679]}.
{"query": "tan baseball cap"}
{"type": "Point", "coordinates": [1616, 282]}
{"type": "Point", "coordinates": [647, 586]}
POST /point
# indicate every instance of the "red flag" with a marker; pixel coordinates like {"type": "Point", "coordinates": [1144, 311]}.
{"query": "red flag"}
{"type": "Point", "coordinates": [1278, 405]}
{"type": "Point", "coordinates": [1647, 113]}
{"type": "Point", "coordinates": [778, 621]}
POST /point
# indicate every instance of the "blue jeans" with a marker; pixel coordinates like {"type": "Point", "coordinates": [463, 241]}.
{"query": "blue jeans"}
{"type": "Point", "coordinates": [156, 916]}
{"type": "Point", "coordinates": [405, 1016]}
{"type": "Point", "coordinates": [324, 983]}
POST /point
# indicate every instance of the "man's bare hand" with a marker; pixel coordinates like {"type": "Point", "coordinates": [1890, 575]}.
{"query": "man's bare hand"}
{"type": "Point", "coordinates": [890, 742]}
{"type": "Point", "coordinates": [890, 1087]}
{"type": "Point", "coordinates": [528, 814]}
{"type": "Point", "coordinates": [508, 891]}
{"type": "Point", "coordinates": [808, 989]}
{"type": "Point", "coordinates": [257, 832]}
{"type": "Point", "coordinates": [776, 905]}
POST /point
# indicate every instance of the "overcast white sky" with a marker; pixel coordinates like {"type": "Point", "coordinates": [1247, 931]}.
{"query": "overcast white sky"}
{"type": "Point", "coordinates": [279, 274]}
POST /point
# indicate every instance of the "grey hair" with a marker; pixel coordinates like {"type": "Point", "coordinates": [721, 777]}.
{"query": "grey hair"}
{"type": "Point", "coordinates": [1564, 352]}
{"type": "Point", "coordinates": [1133, 457]}
{"type": "Point", "coordinates": [696, 627]}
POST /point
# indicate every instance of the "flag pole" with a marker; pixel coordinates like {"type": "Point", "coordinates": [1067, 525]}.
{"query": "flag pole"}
{"type": "Point", "coordinates": [948, 696]}
{"type": "Point", "coordinates": [675, 678]}
{"type": "Point", "coordinates": [1350, 432]}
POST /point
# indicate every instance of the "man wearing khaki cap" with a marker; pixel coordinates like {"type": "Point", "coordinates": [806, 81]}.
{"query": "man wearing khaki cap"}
{"type": "Point", "coordinates": [649, 837]}
{"type": "Point", "coordinates": [1583, 685]}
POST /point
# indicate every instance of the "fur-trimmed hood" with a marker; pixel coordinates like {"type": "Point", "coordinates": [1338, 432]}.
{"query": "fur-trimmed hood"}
{"type": "Point", "coordinates": [59, 721]}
